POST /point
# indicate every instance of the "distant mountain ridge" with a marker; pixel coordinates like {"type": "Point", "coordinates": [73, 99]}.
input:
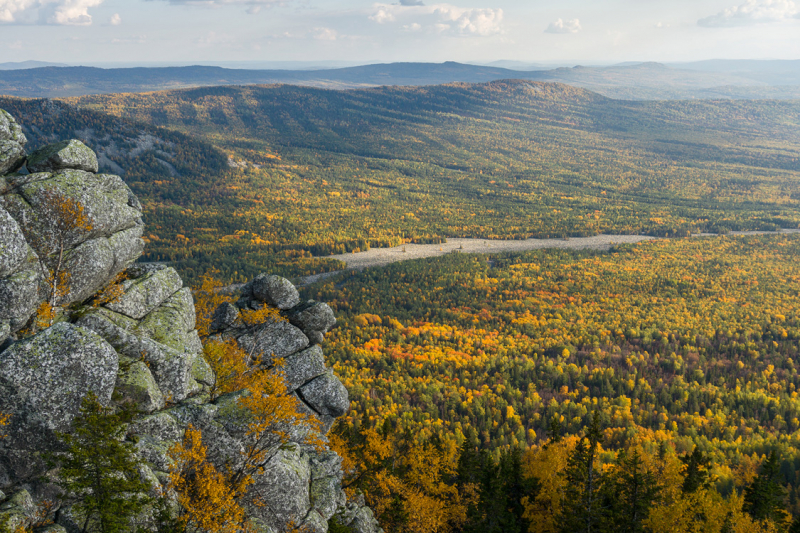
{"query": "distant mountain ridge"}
{"type": "Point", "coordinates": [20, 65]}
{"type": "Point", "coordinates": [640, 81]}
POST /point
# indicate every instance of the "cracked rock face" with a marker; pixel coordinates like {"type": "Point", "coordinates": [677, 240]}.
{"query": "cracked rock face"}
{"type": "Point", "coordinates": [143, 348]}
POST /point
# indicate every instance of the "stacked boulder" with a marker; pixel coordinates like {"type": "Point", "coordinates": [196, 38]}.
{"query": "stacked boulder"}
{"type": "Point", "coordinates": [143, 347]}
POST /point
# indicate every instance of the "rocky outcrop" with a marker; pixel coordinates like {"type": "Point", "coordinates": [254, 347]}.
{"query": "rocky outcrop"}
{"type": "Point", "coordinates": [64, 155]}
{"type": "Point", "coordinates": [142, 347]}
{"type": "Point", "coordinates": [12, 144]}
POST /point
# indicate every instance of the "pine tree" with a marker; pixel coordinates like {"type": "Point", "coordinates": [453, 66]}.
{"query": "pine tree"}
{"type": "Point", "coordinates": [582, 510]}
{"type": "Point", "coordinates": [501, 488]}
{"type": "Point", "coordinates": [554, 430]}
{"type": "Point", "coordinates": [696, 474]}
{"type": "Point", "coordinates": [795, 527]}
{"type": "Point", "coordinates": [631, 492]}
{"type": "Point", "coordinates": [99, 471]}
{"type": "Point", "coordinates": [763, 499]}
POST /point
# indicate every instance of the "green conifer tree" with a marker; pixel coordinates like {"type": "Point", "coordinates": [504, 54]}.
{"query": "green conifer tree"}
{"type": "Point", "coordinates": [631, 492]}
{"type": "Point", "coordinates": [583, 510]}
{"type": "Point", "coordinates": [696, 475]}
{"type": "Point", "coordinates": [764, 497]}
{"type": "Point", "coordinates": [99, 471]}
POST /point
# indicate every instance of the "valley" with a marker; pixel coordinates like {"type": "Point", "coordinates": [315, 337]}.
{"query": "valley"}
{"type": "Point", "coordinates": [589, 285]}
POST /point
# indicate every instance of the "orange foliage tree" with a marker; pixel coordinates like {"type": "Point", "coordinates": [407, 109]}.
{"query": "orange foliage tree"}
{"type": "Point", "coordinates": [212, 497]}
{"type": "Point", "coordinates": [207, 500]}
{"type": "Point", "coordinates": [207, 297]}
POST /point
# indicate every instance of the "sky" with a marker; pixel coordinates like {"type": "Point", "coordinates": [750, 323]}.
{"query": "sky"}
{"type": "Point", "coordinates": [362, 31]}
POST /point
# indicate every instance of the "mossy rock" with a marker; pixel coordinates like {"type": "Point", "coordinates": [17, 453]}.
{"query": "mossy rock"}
{"type": "Point", "coordinates": [9, 129]}
{"type": "Point", "coordinates": [144, 294]}
{"type": "Point", "coordinates": [12, 156]}
{"type": "Point", "coordinates": [72, 154]}
{"type": "Point", "coordinates": [135, 383]}
{"type": "Point", "coordinates": [171, 322]}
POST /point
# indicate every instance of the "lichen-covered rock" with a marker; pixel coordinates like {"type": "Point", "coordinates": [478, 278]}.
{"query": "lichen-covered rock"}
{"type": "Point", "coordinates": [19, 297]}
{"type": "Point", "coordinates": [170, 368]}
{"type": "Point", "coordinates": [72, 154]}
{"type": "Point", "coordinates": [95, 251]}
{"type": "Point", "coordinates": [272, 339]}
{"type": "Point", "coordinates": [12, 141]}
{"type": "Point", "coordinates": [314, 523]}
{"type": "Point", "coordinates": [14, 250]}
{"type": "Point", "coordinates": [45, 378]}
{"type": "Point", "coordinates": [303, 366]}
{"type": "Point", "coordinates": [170, 323]}
{"type": "Point", "coordinates": [326, 484]}
{"type": "Point", "coordinates": [225, 315]}
{"type": "Point", "coordinates": [284, 484]}
{"type": "Point", "coordinates": [147, 292]}
{"type": "Point", "coordinates": [275, 290]}
{"type": "Point", "coordinates": [17, 512]}
{"type": "Point", "coordinates": [12, 156]}
{"type": "Point", "coordinates": [364, 522]}
{"type": "Point", "coordinates": [127, 246]}
{"type": "Point", "coordinates": [139, 270]}
{"type": "Point", "coordinates": [314, 318]}
{"type": "Point", "coordinates": [135, 384]}
{"type": "Point", "coordinates": [105, 199]}
{"type": "Point", "coordinates": [202, 371]}
{"type": "Point", "coordinates": [313, 315]}
{"type": "Point", "coordinates": [159, 426]}
{"type": "Point", "coordinates": [10, 130]}
{"type": "Point", "coordinates": [356, 516]}
{"type": "Point", "coordinates": [90, 265]}
{"type": "Point", "coordinates": [5, 331]}
{"type": "Point", "coordinates": [326, 395]}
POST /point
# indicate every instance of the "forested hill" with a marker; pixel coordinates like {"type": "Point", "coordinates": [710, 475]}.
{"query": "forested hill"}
{"type": "Point", "coordinates": [259, 177]}
{"type": "Point", "coordinates": [643, 81]}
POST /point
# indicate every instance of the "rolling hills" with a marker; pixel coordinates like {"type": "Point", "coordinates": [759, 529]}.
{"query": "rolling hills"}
{"type": "Point", "coordinates": [638, 81]}
{"type": "Point", "coordinates": [262, 176]}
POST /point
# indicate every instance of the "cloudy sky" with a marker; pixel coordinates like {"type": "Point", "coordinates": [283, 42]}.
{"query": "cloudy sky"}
{"type": "Point", "coordinates": [93, 31]}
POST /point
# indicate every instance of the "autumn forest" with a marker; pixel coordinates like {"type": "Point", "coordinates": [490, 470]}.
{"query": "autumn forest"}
{"type": "Point", "coordinates": [650, 387]}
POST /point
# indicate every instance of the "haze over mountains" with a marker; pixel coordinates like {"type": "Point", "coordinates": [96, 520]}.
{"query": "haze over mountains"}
{"type": "Point", "coordinates": [716, 79]}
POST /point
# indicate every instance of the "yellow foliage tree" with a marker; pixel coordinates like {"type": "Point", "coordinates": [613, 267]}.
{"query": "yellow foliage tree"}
{"type": "Point", "coordinates": [230, 365]}
{"type": "Point", "coordinates": [207, 297]}
{"type": "Point", "coordinates": [207, 500]}
{"type": "Point", "coordinates": [545, 463]}
{"type": "Point", "coordinates": [402, 478]}
{"type": "Point", "coordinates": [274, 415]}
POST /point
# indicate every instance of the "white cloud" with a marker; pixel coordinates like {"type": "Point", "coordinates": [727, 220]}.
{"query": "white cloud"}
{"type": "Point", "coordinates": [253, 6]}
{"type": "Point", "coordinates": [752, 12]}
{"type": "Point", "coordinates": [60, 12]}
{"type": "Point", "coordinates": [564, 26]}
{"type": "Point", "coordinates": [115, 20]}
{"type": "Point", "coordinates": [415, 16]}
{"type": "Point", "coordinates": [325, 34]}
{"type": "Point", "coordinates": [9, 9]}
{"type": "Point", "coordinates": [382, 15]}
